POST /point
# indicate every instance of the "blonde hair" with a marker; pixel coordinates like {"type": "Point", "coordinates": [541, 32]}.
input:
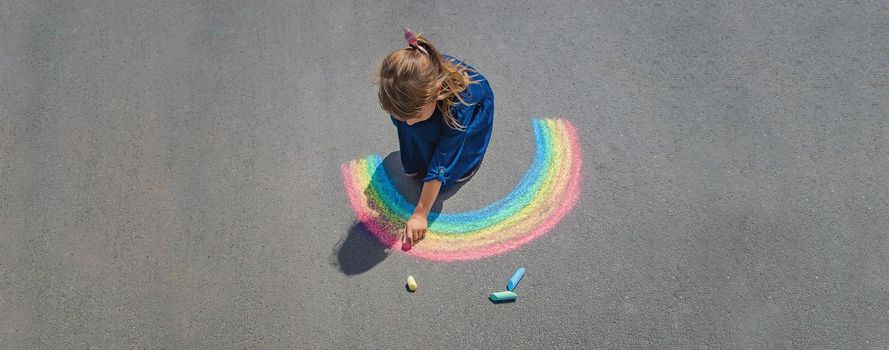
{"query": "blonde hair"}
{"type": "Point", "coordinates": [409, 79]}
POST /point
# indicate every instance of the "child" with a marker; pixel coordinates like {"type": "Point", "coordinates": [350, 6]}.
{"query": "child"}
{"type": "Point", "coordinates": [443, 115]}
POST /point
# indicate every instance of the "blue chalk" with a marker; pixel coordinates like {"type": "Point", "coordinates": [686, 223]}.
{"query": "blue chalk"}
{"type": "Point", "coordinates": [516, 277]}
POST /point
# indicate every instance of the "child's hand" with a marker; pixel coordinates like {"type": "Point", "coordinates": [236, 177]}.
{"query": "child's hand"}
{"type": "Point", "coordinates": [414, 229]}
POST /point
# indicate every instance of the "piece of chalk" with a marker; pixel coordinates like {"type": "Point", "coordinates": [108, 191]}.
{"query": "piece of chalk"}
{"type": "Point", "coordinates": [411, 283]}
{"type": "Point", "coordinates": [501, 296]}
{"type": "Point", "coordinates": [405, 245]}
{"type": "Point", "coordinates": [516, 277]}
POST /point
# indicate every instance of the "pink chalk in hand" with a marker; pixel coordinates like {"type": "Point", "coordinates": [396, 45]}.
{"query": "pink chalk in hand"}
{"type": "Point", "coordinates": [405, 245]}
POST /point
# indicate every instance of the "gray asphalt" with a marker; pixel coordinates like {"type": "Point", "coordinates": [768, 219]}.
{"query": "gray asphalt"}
{"type": "Point", "coordinates": [170, 175]}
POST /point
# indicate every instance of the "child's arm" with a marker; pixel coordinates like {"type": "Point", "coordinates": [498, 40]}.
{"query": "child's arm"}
{"type": "Point", "coordinates": [415, 228]}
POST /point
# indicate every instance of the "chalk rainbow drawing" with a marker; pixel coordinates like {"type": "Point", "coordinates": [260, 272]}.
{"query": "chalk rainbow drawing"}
{"type": "Point", "coordinates": [546, 193]}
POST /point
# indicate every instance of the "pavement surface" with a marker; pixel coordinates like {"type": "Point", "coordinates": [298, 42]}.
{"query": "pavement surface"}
{"type": "Point", "coordinates": [170, 175]}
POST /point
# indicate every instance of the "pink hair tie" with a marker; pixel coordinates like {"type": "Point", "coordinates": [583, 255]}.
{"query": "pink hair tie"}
{"type": "Point", "coordinates": [412, 40]}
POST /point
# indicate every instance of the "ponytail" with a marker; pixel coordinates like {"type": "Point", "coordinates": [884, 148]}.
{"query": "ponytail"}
{"type": "Point", "coordinates": [452, 78]}
{"type": "Point", "coordinates": [419, 74]}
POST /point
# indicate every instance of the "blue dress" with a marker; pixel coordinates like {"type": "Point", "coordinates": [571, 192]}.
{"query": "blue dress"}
{"type": "Point", "coordinates": [444, 153]}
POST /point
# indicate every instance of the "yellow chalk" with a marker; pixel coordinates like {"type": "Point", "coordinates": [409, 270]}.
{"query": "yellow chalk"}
{"type": "Point", "coordinates": [411, 283]}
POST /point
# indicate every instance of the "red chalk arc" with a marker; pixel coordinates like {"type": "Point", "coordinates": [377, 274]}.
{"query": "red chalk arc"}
{"type": "Point", "coordinates": [548, 191]}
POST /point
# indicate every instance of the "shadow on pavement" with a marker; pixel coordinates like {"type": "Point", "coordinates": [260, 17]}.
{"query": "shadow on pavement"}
{"type": "Point", "coordinates": [510, 301]}
{"type": "Point", "coordinates": [410, 187]}
{"type": "Point", "coordinates": [359, 251]}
